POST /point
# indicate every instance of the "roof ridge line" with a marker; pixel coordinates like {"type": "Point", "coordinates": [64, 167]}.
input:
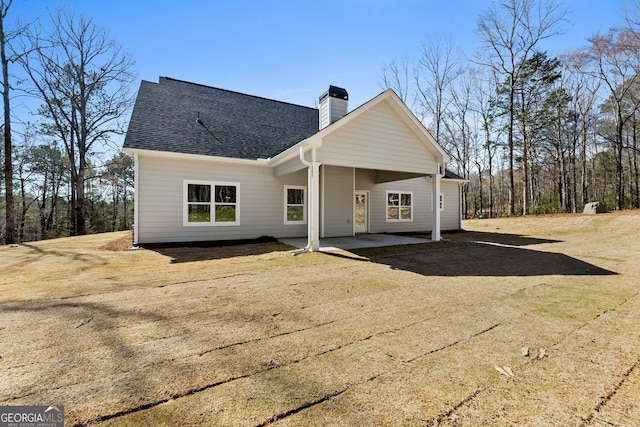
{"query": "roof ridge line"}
{"type": "Point", "coordinates": [236, 92]}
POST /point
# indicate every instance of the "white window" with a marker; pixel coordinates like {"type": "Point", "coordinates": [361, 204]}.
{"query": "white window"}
{"type": "Point", "coordinates": [399, 206]}
{"type": "Point", "coordinates": [295, 207]}
{"type": "Point", "coordinates": [211, 203]}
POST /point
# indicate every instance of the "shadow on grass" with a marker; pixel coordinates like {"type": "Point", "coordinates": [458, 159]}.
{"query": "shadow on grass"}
{"type": "Point", "coordinates": [461, 254]}
{"type": "Point", "coordinates": [206, 251]}
{"type": "Point", "coordinates": [481, 254]}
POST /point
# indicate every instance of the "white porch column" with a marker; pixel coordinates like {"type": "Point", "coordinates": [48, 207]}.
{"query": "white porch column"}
{"type": "Point", "coordinates": [435, 190]}
{"type": "Point", "coordinates": [136, 199]}
{"type": "Point", "coordinates": [313, 231]}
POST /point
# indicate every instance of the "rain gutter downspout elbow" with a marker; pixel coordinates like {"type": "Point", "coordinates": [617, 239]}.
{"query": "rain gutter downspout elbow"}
{"type": "Point", "coordinates": [302, 159]}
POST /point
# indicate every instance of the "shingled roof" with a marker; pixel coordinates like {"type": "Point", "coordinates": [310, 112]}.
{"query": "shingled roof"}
{"type": "Point", "coordinates": [182, 117]}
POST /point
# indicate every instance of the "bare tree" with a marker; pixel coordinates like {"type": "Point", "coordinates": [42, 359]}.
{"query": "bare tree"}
{"type": "Point", "coordinates": [437, 68]}
{"type": "Point", "coordinates": [84, 79]}
{"type": "Point", "coordinates": [616, 64]}
{"type": "Point", "coordinates": [11, 229]}
{"type": "Point", "coordinates": [584, 90]}
{"type": "Point", "coordinates": [485, 94]}
{"type": "Point", "coordinates": [395, 75]}
{"type": "Point", "coordinates": [460, 134]}
{"type": "Point", "coordinates": [510, 30]}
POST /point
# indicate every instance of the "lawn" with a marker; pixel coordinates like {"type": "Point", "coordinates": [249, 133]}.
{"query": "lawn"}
{"type": "Point", "coordinates": [516, 321]}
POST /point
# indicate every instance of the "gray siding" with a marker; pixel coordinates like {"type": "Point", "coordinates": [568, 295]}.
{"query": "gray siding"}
{"type": "Point", "coordinates": [451, 216]}
{"type": "Point", "coordinates": [160, 201]}
{"type": "Point", "coordinates": [380, 140]}
{"type": "Point", "coordinates": [337, 215]}
{"type": "Point", "coordinates": [338, 109]}
{"type": "Point", "coordinates": [422, 209]}
{"type": "Point", "coordinates": [330, 110]}
{"type": "Point", "coordinates": [421, 189]}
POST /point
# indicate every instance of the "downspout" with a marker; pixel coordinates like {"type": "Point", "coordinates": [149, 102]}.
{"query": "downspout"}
{"type": "Point", "coordinates": [313, 181]}
{"type": "Point", "coordinates": [314, 199]}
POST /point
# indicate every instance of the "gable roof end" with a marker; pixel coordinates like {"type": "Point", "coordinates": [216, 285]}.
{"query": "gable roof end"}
{"type": "Point", "coordinates": [400, 107]}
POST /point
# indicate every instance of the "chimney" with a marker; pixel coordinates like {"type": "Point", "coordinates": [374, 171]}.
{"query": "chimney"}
{"type": "Point", "coordinates": [333, 105]}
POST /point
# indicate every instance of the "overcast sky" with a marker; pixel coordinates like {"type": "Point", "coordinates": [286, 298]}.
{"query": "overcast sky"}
{"type": "Point", "coordinates": [292, 50]}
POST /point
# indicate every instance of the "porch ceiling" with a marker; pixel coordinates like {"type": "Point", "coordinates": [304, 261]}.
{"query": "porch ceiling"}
{"type": "Point", "coordinates": [389, 176]}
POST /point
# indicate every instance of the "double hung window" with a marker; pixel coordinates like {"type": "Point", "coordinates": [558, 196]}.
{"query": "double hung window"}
{"type": "Point", "coordinates": [295, 211]}
{"type": "Point", "coordinates": [399, 206]}
{"type": "Point", "coordinates": [211, 203]}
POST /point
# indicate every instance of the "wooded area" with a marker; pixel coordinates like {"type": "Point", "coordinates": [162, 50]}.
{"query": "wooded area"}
{"type": "Point", "coordinates": [63, 172]}
{"type": "Point", "coordinates": [532, 131]}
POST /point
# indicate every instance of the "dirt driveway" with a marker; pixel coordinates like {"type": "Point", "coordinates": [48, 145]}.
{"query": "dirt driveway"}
{"type": "Point", "coordinates": [524, 321]}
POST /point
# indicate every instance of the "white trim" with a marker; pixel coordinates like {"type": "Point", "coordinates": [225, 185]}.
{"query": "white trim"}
{"type": "Point", "coordinates": [136, 199]}
{"type": "Point", "coordinates": [386, 205]}
{"type": "Point", "coordinates": [322, 199]}
{"type": "Point", "coordinates": [292, 152]}
{"type": "Point", "coordinates": [201, 157]}
{"type": "Point", "coordinates": [212, 203]}
{"type": "Point", "coordinates": [304, 204]}
{"type": "Point", "coordinates": [400, 107]}
{"type": "Point", "coordinates": [353, 206]}
{"type": "Point", "coordinates": [435, 215]}
{"type": "Point", "coordinates": [314, 199]}
{"type": "Point", "coordinates": [366, 210]}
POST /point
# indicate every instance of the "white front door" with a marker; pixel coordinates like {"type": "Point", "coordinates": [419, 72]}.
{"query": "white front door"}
{"type": "Point", "coordinates": [361, 216]}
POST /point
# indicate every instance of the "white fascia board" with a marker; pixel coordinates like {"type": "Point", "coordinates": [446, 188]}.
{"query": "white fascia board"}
{"type": "Point", "coordinates": [458, 180]}
{"type": "Point", "coordinates": [397, 104]}
{"type": "Point", "coordinates": [355, 113]}
{"type": "Point", "coordinates": [412, 120]}
{"type": "Point", "coordinates": [200, 157]}
{"type": "Point", "coordinates": [294, 151]}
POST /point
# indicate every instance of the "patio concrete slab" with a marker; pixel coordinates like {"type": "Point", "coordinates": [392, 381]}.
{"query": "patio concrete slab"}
{"type": "Point", "coordinates": [357, 241]}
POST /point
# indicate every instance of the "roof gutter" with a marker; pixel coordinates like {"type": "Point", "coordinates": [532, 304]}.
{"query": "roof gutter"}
{"type": "Point", "coordinates": [200, 157]}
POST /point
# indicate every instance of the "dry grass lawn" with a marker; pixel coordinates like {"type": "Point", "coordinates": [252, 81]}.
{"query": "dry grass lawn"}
{"type": "Point", "coordinates": [447, 333]}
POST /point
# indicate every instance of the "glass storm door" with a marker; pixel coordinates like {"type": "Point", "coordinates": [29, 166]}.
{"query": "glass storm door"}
{"type": "Point", "coordinates": [361, 212]}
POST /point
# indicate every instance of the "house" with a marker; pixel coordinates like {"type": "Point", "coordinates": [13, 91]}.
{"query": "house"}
{"type": "Point", "coordinates": [213, 164]}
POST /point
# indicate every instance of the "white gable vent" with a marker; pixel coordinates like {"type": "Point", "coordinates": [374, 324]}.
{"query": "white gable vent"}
{"type": "Point", "coordinates": [333, 105]}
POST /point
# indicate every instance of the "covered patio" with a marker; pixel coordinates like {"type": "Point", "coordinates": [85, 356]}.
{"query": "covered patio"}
{"type": "Point", "coordinates": [363, 154]}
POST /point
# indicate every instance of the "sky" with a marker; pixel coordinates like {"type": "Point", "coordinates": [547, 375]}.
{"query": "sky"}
{"type": "Point", "coordinates": [292, 50]}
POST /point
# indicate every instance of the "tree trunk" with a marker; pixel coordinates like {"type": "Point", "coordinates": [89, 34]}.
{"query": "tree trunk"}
{"type": "Point", "coordinates": [619, 168]}
{"type": "Point", "coordinates": [525, 155]}
{"type": "Point", "coordinates": [23, 211]}
{"type": "Point", "coordinates": [490, 185]}
{"type": "Point", "coordinates": [583, 162]}
{"type": "Point", "coordinates": [574, 181]}
{"type": "Point", "coordinates": [634, 154]}
{"type": "Point", "coordinates": [73, 210]}
{"type": "Point", "coordinates": [512, 201]}
{"type": "Point", "coordinates": [10, 208]}
{"type": "Point", "coordinates": [80, 208]}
